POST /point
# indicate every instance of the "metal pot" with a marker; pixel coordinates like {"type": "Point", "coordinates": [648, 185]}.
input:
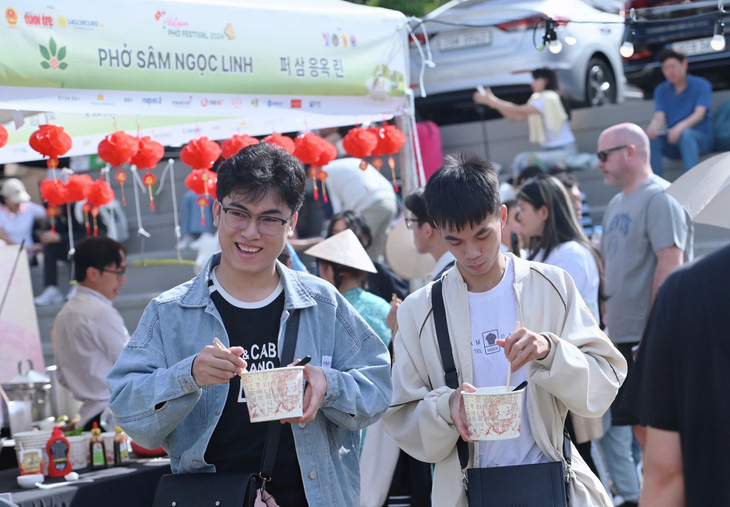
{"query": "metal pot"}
{"type": "Point", "coordinates": [30, 386]}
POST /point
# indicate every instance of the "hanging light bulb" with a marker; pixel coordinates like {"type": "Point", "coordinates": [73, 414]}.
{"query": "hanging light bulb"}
{"type": "Point", "coordinates": [550, 39]}
{"type": "Point", "coordinates": [718, 40]}
{"type": "Point", "coordinates": [627, 48]}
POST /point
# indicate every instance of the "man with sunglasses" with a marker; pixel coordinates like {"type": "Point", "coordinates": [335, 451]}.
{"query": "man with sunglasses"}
{"type": "Point", "coordinates": [173, 387]}
{"type": "Point", "coordinates": [89, 332]}
{"type": "Point", "coordinates": [645, 236]}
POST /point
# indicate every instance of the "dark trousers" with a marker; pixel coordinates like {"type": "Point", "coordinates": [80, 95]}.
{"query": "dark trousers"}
{"type": "Point", "coordinates": [52, 253]}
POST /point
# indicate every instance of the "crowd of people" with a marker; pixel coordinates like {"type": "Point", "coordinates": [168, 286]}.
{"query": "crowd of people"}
{"type": "Point", "coordinates": [524, 290]}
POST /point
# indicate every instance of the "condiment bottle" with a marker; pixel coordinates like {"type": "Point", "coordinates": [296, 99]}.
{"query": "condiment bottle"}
{"type": "Point", "coordinates": [121, 448]}
{"type": "Point", "coordinates": [57, 449]}
{"type": "Point", "coordinates": [97, 450]}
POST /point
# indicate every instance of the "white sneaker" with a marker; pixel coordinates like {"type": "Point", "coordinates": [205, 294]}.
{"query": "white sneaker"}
{"type": "Point", "coordinates": [195, 245]}
{"type": "Point", "coordinates": [185, 241]}
{"type": "Point", "coordinates": [72, 292]}
{"type": "Point", "coordinates": [50, 296]}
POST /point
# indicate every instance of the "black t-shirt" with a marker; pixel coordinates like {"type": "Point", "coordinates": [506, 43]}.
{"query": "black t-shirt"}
{"type": "Point", "coordinates": [237, 444]}
{"type": "Point", "coordinates": [680, 381]}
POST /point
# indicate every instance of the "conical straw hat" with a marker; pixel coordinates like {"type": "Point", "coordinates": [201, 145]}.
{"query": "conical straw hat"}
{"type": "Point", "coordinates": [343, 248]}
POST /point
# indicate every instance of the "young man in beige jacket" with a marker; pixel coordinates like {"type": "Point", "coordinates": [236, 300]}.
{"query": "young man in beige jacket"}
{"type": "Point", "coordinates": [559, 349]}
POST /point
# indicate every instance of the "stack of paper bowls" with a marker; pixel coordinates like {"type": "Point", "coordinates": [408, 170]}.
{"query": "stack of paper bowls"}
{"type": "Point", "coordinates": [25, 440]}
{"type": "Point", "coordinates": [79, 453]}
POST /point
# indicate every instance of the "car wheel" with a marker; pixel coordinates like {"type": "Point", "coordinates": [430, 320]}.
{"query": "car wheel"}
{"type": "Point", "coordinates": [600, 86]}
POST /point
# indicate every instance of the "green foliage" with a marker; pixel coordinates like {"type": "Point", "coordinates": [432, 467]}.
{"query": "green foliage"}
{"type": "Point", "coordinates": [418, 8]}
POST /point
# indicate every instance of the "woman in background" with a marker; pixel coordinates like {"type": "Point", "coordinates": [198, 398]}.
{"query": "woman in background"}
{"type": "Point", "coordinates": [548, 219]}
{"type": "Point", "coordinates": [547, 115]}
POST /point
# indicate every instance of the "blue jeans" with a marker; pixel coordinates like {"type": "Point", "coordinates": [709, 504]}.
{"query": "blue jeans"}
{"type": "Point", "coordinates": [616, 445]}
{"type": "Point", "coordinates": [692, 145]}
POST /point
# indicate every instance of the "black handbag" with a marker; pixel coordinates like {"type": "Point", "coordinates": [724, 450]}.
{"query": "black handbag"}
{"type": "Point", "coordinates": [229, 489]}
{"type": "Point", "coordinates": [542, 484]}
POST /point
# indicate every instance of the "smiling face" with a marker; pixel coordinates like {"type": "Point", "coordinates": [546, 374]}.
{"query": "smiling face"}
{"type": "Point", "coordinates": [246, 253]}
{"type": "Point", "coordinates": [109, 280]}
{"type": "Point", "coordinates": [476, 249]}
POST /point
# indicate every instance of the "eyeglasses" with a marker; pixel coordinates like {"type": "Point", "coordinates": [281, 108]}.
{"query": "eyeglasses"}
{"type": "Point", "coordinates": [120, 272]}
{"type": "Point", "coordinates": [238, 219]}
{"type": "Point", "coordinates": [411, 221]}
{"type": "Point", "coordinates": [603, 154]}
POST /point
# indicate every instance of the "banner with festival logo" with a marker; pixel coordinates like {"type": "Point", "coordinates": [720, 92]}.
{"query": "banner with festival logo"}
{"type": "Point", "coordinates": [214, 59]}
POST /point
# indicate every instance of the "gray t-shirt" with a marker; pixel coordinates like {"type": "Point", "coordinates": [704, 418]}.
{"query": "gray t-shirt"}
{"type": "Point", "coordinates": [635, 227]}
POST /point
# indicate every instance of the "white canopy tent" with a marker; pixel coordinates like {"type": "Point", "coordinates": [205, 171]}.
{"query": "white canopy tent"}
{"type": "Point", "coordinates": [179, 69]}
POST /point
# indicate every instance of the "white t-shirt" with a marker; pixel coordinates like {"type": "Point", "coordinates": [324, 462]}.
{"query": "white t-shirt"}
{"type": "Point", "coordinates": [565, 136]}
{"type": "Point", "coordinates": [493, 315]}
{"type": "Point", "coordinates": [19, 226]}
{"type": "Point", "coordinates": [349, 187]}
{"type": "Point", "coordinates": [580, 264]}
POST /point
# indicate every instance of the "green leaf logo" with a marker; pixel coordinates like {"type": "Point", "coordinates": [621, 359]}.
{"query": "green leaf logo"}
{"type": "Point", "coordinates": [53, 56]}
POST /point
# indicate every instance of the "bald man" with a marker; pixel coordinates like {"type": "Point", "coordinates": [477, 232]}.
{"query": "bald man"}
{"type": "Point", "coordinates": [645, 236]}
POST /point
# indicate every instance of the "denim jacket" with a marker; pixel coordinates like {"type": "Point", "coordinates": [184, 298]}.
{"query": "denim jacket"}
{"type": "Point", "coordinates": [156, 400]}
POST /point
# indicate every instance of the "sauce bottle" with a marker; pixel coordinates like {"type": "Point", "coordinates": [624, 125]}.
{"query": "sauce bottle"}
{"type": "Point", "coordinates": [97, 450]}
{"type": "Point", "coordinates": [121, 448]}
{"type": "Point", "coordinates": [57, 449]}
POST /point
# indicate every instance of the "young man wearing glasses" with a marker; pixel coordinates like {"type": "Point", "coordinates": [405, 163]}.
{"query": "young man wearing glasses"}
{"type": "Point", "coordinates": [89, 332]}
{"type": "Point", "coordinates": [172, 387]}
{"type": "Point", "coordinates": [645, 236]}
{"type": "Point", "coordinates": [426, 237]}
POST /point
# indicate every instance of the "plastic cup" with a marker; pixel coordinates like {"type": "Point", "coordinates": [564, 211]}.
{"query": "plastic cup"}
{"type": "Point", "coordinates": [493, 413]}
{"type": "Point", "coordinates": [20, 415]}
{"type": "Point", "coordinates": [274, 394]}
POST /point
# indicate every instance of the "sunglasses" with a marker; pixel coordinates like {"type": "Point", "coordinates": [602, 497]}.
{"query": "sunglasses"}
{"type": "Point", "coordinates": [603, 154]}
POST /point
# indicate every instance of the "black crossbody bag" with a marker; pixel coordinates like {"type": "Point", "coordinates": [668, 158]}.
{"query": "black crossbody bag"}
{"type": "Point", "coordinates": [229, 489]}
{"type": "Point", "coordinates": [542, 484]}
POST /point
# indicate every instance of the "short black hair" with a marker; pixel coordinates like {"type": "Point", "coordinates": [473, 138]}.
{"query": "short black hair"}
{"type": "Point", "coordinates": [567, 179]}
{"type": "Point", "coordinates": [529, 172]}
{"type": "Point", "coordinates": [258, 168]}
{"type": "Point", "coordinates": [464, 192]}
{"type": "Point", "coordinates": [355, 223]}
{"type": "Point", "coordinates": [666, 54]}
{"type": "Point", "coordinates": [98, 252]}
{"type": "Point", "coordinates": [416, 204]}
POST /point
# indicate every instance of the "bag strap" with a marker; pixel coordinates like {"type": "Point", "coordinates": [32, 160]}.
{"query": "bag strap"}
{"type": "Point", "coordinates": [451, 376]}
{"type": "Point", "coordinates": [273, 432]}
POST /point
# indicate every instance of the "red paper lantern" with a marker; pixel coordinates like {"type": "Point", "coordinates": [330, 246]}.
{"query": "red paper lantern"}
{"type": "Point", "coordinates": [390, 140]}
{"type": "Point", "coordinates": [280, 140]}
{"type": "Point", "coordinates": [52, 142]}
{"type": "Point", "coordinates": [360, 143]}
{"type": "Point", "coordinates": [76, 187]}
{"type": "Point", "coordinates": [149, 153]}
{"type": "Point", "coordinates": [328, 153]}
{"type": "Point", "coordinates": [308, 147]}
{"type": "Point", "coordinates": [55, 194]}
{"type": "Point", "coordinates": [121, 178]}
{"type": "Point", "coordinates": [237, 143]}
{"type": "Point", "coordinates": [99, 194]}
{"type": "Point", "coordinates": [200, 153]}
{"type": "Point", "coordinates": [149, 179]}
{"type": "Point", "coordinates": [202, 181]}
{"type": "Point", "coordinates": [3, 136]}
{"type": "Point", "coordinates": [314, 150]}
{"type": "Point", "coordinates": [117, 148]}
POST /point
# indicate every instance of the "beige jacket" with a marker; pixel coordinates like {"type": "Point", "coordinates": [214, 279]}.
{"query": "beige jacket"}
{"type": "Point", "coordinates": [582, 373]}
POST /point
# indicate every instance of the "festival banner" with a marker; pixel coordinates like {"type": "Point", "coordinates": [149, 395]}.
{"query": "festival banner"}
{"type": "Point", "coordinates": [212, 59]}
